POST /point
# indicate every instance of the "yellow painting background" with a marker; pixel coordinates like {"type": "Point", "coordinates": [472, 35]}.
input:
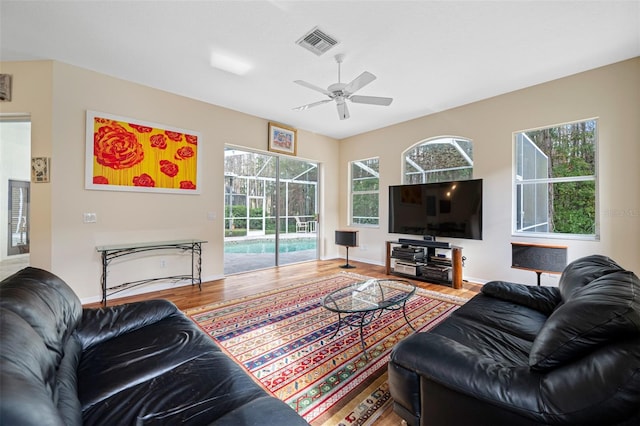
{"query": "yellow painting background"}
{"type": "Point", "coordinates": [152, 156]}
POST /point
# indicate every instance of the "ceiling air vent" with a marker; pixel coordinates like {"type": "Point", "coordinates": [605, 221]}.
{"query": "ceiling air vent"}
{"type": "Point", "coordinates": [317, 41]}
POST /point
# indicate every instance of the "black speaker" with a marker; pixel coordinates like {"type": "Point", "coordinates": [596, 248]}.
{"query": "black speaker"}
{"type": "Point", "coordinates": [538, 257]}
{"type": "Point", "coordinates": [347, 238]}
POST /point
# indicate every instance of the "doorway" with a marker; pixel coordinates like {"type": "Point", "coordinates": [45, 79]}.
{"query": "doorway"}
{"type": "Point", "coordinates": [15, 192]}
{"type": "Point", "coordinates": [270, 211]}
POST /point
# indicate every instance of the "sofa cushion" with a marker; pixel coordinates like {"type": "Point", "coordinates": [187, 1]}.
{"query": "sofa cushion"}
{"type": "Point", "coordinates": [28, 375]}
{"type": "Point", "coordinates": [46, 302]}
{"type": "Point", "coordinates": [66, 388]}
{"type": "Point", "coordinates": [168, 372]}
{"type": "Point", "coordinates": [138, 356]}
{"type": "Point", "coordinates": [607, 309]}
{"type": "Point", "coordinates": [582, 271]}
{"type": "Point", "coordinates": [99, 325]}
{"type": "Point", "coordinates": [542, 299]}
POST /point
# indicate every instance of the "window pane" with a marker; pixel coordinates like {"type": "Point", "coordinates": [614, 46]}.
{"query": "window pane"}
{"type": "Point", "coordinates": [365, 209]}
{"type": "Point", "coordinates": [562, 162]}
{"type": "Point", "coordinates": [439, 160]}
{"type": "Point", "coordinates": [570, 148]}
{"type": "Point", "coordinates": [541, 210]}
{"type": "Point", "coordinates": [365, 186]}
{"type": "Point", "coordinates": [574, 207]}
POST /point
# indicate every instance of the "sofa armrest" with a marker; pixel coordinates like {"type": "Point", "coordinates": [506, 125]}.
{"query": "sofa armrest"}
{"type": "Point", "coordinates": [466, 371]}
{"type": "Point", "coordinates": [542, 299]}
{"type": "Point", "coordinates": [102, 324]}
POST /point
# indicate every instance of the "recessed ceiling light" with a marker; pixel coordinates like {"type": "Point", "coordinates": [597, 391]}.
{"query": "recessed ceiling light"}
{"type": "Point", "coordinates": [230, 63]}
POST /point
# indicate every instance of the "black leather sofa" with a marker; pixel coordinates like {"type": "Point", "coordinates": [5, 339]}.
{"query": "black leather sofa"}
{"type": "Point", "coordinates": [525, 355]}
{"type": "Point", "coordinates": [136, 364]}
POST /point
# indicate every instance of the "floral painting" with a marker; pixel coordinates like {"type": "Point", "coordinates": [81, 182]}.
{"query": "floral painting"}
{"type": "Point", "coordinates": [282, 139]}
{"type": "Point", "coordinates": [130, 155]}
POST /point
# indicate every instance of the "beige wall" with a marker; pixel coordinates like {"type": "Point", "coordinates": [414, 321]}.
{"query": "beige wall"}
{"type": "Point", "coordinates": [32, 94]}
{"type": "Point", "coordinates": [57, 96]}
{"type": "Point", "coordinates": [612, 94]}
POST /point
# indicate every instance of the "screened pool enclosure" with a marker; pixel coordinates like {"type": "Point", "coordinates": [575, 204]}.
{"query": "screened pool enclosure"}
{"type": "Point", "coordinates": [270, 211]}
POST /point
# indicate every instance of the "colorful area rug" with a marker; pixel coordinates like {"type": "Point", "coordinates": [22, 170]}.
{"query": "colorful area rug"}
{"type": "Point", "coordinates": [283, 339]}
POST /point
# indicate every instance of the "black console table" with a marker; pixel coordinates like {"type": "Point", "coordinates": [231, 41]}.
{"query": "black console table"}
{"type": "Point", "coordinates": [111, 252]}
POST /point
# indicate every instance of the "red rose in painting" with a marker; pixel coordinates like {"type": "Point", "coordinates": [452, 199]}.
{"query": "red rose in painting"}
{"type": "Point", "coordinates": [184, 153]}
{"type": "Point", "coordinates": [168, 168]}
{"type": "Point", "coordinates": [158, 141]}
{"type": "Point", "coordinates": [187, 184]}
{"type": "Point", "coordinates": [141, 129]}
{"type": "Point", "coordinates": [191, 139]}
{"type": "Point", "coordinates": [100, 180]}
{"type": "Point", "coordinates": [174, 136]}
{"type": "Point", "coordinates": [144, 180]}
{"type": "Point", "coordinates": [115, 147]}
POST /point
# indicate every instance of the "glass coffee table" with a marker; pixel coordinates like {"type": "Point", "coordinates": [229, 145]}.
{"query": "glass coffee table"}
{"type": "Point", "coordinates": [358, 304]}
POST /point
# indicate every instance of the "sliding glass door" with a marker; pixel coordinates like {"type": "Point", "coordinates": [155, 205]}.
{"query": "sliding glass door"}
{"type": "Point", "coordinates": [270, 210]}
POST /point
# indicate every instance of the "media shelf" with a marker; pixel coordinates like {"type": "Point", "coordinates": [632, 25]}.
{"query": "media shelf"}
{"type": "Point", "coordinates": [418, 260]}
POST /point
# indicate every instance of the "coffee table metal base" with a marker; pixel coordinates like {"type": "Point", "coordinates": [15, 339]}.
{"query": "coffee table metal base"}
{"type": "Point", "coordinates": [362, 319]}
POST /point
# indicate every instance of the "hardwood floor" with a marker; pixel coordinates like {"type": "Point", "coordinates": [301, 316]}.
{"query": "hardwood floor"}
{"type": "Point", "coordinates": [249, 283]}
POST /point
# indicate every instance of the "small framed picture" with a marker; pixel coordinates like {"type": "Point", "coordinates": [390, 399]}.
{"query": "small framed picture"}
{"type": "Point", "coordinates": [282, 139]}
{"type": "Point", "coordinates": [5, 87]}
{"type": "Point", "coordinates": [40, 169]}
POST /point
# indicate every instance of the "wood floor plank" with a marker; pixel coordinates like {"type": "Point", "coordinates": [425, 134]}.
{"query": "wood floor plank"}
{"type": "Point", "coordinates": [249, 283]}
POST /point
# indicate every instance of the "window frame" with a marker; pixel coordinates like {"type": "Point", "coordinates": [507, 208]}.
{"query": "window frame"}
{"type": "Point", "coordinates": [353, 193]}
{"type": "Point", "coordinates": [519, 180]}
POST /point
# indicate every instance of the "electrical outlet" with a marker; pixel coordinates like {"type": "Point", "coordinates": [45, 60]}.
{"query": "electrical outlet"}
{"type": "Point", "coordinates": [89, 217]}
{"type": "Point", "coordinates": [163, 263]}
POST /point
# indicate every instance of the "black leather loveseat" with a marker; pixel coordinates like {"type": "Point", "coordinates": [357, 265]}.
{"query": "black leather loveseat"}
{"type": "Point", "coordinates": [523, 355]}
{"type": "Point", "coordinates": [137, 364]}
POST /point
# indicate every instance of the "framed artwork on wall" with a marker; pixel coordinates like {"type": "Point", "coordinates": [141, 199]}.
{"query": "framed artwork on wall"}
{"type": "Point", "coordinates": [40, 169]}
{"type": "Point", "coordinates": [282, 139]}
{"type": "Point", "coordinates": [5, 87]}
{"type": "Point", "coordinates": [125, 154]}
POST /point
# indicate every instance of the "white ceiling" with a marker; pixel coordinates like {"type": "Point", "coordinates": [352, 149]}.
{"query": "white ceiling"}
{"type": "Point", "coordinates": [428, 55]}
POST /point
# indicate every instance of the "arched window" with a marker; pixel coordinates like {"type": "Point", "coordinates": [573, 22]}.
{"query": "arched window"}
{"type": "Point", "coordinates": [438, 160]}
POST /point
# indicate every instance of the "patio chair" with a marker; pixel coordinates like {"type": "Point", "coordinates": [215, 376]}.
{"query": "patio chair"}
{"type": "Point", "coordinates": [301, 226]}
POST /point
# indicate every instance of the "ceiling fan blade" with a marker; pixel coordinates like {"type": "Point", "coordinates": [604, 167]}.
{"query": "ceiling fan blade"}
{"type": "Point", "coordinates": [313, 87]}
{"type": "Point", "coordinates": [311, 105]}
{"type": "Point", "coordinates": [372, 100]}
{"type": "Point", "coordinates": [343, 111]}
{"type": "Point", "coordinates": [359, 82]}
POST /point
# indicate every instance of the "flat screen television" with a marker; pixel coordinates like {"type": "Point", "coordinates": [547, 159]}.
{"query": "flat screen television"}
{"type": "Point", "coordinates": [443, 209]}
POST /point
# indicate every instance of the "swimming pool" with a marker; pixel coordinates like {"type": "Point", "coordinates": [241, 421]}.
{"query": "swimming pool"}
{"type": "Point", "coordinates": [269, 246]}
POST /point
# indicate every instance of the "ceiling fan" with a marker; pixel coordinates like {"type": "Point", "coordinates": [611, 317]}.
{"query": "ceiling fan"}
{"type": "Point", "coordinates": [341, 92]}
